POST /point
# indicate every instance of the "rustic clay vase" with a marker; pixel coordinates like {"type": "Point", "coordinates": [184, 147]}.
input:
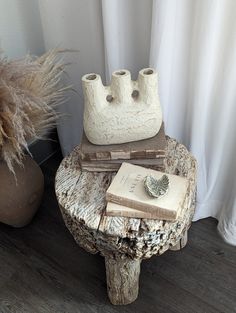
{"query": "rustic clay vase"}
{"type": "Point", "coordinates": [123, 112]}
{"type": "Point", "coordinates": [20, 197]}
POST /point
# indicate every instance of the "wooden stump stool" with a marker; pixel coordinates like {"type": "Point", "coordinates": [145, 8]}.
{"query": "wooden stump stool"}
{"type": "Point", "coordinates": [124, 242]}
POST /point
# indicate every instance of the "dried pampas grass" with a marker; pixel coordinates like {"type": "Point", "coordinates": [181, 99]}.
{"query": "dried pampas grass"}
{"type": "Point", "coordinates": [30, 89]}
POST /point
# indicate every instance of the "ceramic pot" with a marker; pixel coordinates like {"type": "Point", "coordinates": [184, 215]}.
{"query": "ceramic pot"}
{"type": "Point", "coordinates": [20, 197]}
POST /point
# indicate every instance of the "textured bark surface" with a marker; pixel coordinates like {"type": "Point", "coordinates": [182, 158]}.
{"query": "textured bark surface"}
{"type": "Point", "coordinates": [182, 242]}
{"type": "Point", "coordinates": [81, 196]}
{"type": "Point", "coordinates": [122, 279]}
{"type": "Point", "coordinates": [43, 271]}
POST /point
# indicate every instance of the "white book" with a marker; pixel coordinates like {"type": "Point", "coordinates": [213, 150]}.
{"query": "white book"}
{"type": "Point", "coordinates": [114, 209]}
{"type": "Point", "coordinates": [127, 190]}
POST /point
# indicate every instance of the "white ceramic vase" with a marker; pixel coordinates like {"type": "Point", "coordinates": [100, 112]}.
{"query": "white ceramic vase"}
{"type": "Point", "coordinates": [123, 112]}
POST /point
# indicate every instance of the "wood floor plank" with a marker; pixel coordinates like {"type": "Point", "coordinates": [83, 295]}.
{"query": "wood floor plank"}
{"type": "Point", "coordinates": [205, 235]}
{"type": "Point", "coordinates": [48, 287]}
{"type": "Point", "coordinates": [43, 270]}
{"type": "Point", "coordinates": [201, 273]}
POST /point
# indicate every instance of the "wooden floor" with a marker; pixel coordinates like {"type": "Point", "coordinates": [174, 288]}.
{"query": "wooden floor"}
{"type": "Point", "coordinates": [43, 270]}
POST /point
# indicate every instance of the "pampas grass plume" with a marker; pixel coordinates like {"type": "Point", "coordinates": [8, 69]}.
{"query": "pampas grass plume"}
{"type": "Point", "coordinates": [30, 90]}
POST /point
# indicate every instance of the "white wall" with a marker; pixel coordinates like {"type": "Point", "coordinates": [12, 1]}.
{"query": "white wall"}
{"type": "Point", "coordinates": [74, 24]}
{"type": "Point", "coordinates": [20, 28]}
{"type": "Point", "coordinates": [38, 25]}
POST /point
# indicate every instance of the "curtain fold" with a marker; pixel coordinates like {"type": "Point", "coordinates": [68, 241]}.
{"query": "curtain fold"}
{"type": "Point", "coordinates": [127, 31]}
{"type": "Point", "coordinates": [193, 47]}
{"type": "Point", "coordinates": [192, 44]}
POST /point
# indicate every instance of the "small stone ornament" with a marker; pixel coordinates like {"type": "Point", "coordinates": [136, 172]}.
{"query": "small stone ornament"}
{"type": "Point", "coordinates": [156, 188]}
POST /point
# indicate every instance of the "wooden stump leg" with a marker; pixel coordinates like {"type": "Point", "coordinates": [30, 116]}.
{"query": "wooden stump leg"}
{"type": "Point", "coordinates": [122, 279]}
{"type": "Point", "coordinates": [182, 242]}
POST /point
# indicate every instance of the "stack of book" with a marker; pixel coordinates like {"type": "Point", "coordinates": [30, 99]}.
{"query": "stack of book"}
{"type": "Point", "coordinates": [127, 195]}
{"type": "Point", "coordinates": [149, 153]}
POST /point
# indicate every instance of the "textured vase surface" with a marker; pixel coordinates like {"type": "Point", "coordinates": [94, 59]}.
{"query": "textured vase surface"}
{"type": "Point", "coordinates": [20, 196]}
{"type": "Point", "coordinates": [125, 111]}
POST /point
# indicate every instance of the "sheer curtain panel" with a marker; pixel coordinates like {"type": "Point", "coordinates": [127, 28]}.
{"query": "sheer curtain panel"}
{"type": "Point", "coordinates": [192, 44]}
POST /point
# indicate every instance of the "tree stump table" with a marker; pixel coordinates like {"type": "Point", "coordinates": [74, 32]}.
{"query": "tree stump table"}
{"type": "Point", "coordinates": [124, 242]}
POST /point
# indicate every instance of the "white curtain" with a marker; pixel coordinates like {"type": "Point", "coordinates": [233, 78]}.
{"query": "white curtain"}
{"type": "Point", "coordinates": [192, 44]}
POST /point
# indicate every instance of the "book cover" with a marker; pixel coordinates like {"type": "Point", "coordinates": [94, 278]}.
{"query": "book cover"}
{"type": "Point", "coordinates": [114, 165]}
{"type": "Point", "coordinates": [150, 148]}
{"type": "Point", "coordinates": [127, 189]}
{"type": "Point", "coordinates": [114, 209]}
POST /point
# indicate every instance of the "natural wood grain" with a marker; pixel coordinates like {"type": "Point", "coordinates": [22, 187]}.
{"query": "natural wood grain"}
{"type": "Point", "coordinates": [83, 205]}
{"type": "Point", "coordinates": [44, 271]}
{"type": "Point", "coordinates": [182, 242]}
{"type": "Point", "coordinates": [125, 273]}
